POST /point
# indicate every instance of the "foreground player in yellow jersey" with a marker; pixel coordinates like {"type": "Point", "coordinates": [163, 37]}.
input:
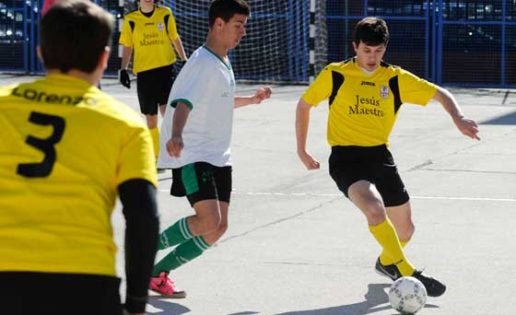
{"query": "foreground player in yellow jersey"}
{"type": "Point", "coordinates": [365, 95]}
{"type": "Point", "coordinates": [67, 151]}
{"type": "Point", "coordinates": [151, 34]}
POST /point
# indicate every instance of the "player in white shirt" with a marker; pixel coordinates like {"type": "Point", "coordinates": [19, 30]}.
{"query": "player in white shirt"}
{"type": "Point", "coordinates": [196, 138]}
{"type": "Point", "coordinates": [207, 88]}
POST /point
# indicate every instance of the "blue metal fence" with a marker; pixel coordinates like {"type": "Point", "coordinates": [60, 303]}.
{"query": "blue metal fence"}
{"type": "Point", "coordinates": [15, 32]}
{"type": "Point", "coordinates": [459, 42]}
{"type": "Point", "coordinates": [462, 42]}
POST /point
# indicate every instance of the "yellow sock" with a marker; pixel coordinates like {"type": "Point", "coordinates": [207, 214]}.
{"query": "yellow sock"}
{"type": "Point", "coordinates": [386, 235]}
{"type": "Point", "coordinates": [385, 259]}
{"type": "Point", "coordinates": [155, 140]}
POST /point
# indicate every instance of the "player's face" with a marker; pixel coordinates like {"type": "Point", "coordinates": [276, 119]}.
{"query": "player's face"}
{"type": "Point", "coordinates": [234, 30]}
{"type": "Point", "coordinates": [147, 4]}
{"type": "Point", "coordinates": [369, 57]}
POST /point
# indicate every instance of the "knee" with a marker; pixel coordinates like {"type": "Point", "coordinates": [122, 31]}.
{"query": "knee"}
{"type": "Point", "coordinates": [213, 236]}
{"type": "Point", "coordinates": [222, 228]}
{"type": "Point", "coordinates": [210, 223]}
{"type": "Point", "coordinates": [405, 234]}
{"type": "Point", "coordinates": [375, 213]}
{"type": "Point", "coordinates": [152, 121]}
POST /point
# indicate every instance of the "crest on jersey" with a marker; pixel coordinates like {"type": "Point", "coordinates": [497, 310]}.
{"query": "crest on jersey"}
{"type": "Point", "coordinates": [384, 91]}
{"type": "Point", "coordinates": [161, 26]}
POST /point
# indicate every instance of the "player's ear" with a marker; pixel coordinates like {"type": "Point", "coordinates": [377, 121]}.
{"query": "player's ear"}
{"type": "Point", "coordinates": [219, 22]}
{"type": "Point", "coordinates": [355, 46]}
{"type": "Point", "coordinates": [104, 58]}
{"type": "Point", "coordinates": [38, 52]}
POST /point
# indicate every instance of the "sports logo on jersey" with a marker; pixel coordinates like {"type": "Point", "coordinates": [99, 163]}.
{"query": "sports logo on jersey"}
{"type": "Point", "coordinates": [161, 26]}
{"type": "Point", "coordinates": [384, 91]}
{"type": "Point", "coordinates": [368, 83]}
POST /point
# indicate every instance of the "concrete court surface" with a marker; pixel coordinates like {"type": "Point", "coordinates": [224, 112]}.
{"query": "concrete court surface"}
{"type": "Point", "coordinates": [295, 245]}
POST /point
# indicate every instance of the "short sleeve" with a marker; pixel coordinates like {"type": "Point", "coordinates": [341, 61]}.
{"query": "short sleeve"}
{"type": "Point", "coordinates": [320, 89]}
{"type": "Point", "coordinates": [188, 84]}
{"type": "Point", "coordinates": [136, 160]}
{"type": "Point", "coordinates": [414, 89]}
{"type": "Point", "coordinates": [126, 35]}
{"type": "Point", "coordinates": [172, 27]}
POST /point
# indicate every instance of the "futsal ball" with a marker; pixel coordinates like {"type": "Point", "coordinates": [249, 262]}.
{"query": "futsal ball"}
{"type": "Point", "coordinates": [407, 295]}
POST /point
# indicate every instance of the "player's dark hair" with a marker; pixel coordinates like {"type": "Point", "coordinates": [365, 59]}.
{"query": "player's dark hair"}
{"type": "Point", "coordinates": [371, 31]}
{"type": "Point", "coordinates": [225, 9]}
{"type": "Point", "coordinates": [74, 34]}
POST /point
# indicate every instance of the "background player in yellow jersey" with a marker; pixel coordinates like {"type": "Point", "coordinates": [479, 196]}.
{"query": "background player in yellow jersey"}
{"type": "Point", "coordinates": [67, 151]}
{"type": "Point", "coordinates": [150, 32]}
{"type": "Point", "coordinates": [365, 95]}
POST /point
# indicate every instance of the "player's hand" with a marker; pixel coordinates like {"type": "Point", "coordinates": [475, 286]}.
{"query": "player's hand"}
{"type": "Point", "coordinates": [468, 127]}
{"type": "Point", "coordinates": [262, 93]}
{"type": "Point", "coordinates": [309, 162]}
{"type": "Point", "coordinates": [178, 66]}
{"type": "Point", "coordinates": [175, 146]}
{"type": "Point", "coordinates": [123, 77]}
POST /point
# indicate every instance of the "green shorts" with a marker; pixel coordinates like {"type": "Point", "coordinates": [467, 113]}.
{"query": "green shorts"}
{"type": "Point", "coordinates": [202, 181]}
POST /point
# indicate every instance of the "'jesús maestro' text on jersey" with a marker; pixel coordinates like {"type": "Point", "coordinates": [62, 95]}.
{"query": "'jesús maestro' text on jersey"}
{"type": "Point", "coordinates": [364, 107]}
{"type": "Point", "coordinates": [150, 38]}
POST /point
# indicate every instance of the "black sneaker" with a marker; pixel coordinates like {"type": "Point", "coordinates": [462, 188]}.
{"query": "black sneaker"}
{"type": "Point", "coordinates": [389, 271]}
{"type": "Point", "coordinates": [433, 287]}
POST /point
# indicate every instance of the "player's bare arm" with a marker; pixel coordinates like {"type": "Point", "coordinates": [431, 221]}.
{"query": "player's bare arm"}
{"type": "Point", "coordinates": [466, 126]}
{"type": "Point", "coordinates": [302, 122]}
{"type": "Point", "coordinates": [179, 48]}
{"type": "Point", "coordinates": [259, 96]}
{"type": "Point", "coordinates": [175, 144]}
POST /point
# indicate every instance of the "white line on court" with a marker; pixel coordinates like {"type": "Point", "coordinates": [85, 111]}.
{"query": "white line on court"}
{"type": "Point", "coordinates": [301, 194]}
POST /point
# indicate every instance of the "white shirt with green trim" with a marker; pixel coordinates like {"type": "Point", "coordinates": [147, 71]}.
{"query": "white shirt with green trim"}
{"type": "Point", "coordinates": [207, 84]}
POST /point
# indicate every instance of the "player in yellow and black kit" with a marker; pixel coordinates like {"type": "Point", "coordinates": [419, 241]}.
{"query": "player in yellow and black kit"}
{"type": "Point", "coordinates": [365, 95]}
{"type": "Point", "coordinates": [67, 151]}
{"type": "Point", "coordinates": [150, 32]}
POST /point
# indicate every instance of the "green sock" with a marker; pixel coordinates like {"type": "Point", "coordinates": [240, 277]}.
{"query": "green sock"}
{"type": "Point", "coordinates": [175, 234]}
{"type": "Point", "coordinates": [182, 254]}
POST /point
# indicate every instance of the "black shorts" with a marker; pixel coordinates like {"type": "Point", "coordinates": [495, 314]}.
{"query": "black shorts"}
{"type": "Point", "coordinates": [153, 88]}
{"type": "Point", "coordinates": [349, 164]}
{"type": "Point", "coordinates": [27, 293]}
{"type": "Point", "coordinates": [202, 181]}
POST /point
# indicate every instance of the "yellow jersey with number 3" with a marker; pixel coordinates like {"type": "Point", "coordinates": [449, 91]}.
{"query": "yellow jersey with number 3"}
{"type": "Point", "coordinates": [150, 38]}
{"type": "Point", "coordinates": [364, 107]}
{"type": "Point", "coordinates": [65, 147]}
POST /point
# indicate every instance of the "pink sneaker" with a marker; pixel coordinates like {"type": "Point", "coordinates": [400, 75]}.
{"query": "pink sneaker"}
{"type": "Point", "coordinates": [165, 287]}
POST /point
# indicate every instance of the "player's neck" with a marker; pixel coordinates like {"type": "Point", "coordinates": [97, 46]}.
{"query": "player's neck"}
{"type": "Point", "coordinates": [146, 7]}
{"type": "Point", "coordinates": [216, 47]}
{"type": "Point", "coordinates": [367, 72]}
{"type": "Point", "coordinates": [91, 78]}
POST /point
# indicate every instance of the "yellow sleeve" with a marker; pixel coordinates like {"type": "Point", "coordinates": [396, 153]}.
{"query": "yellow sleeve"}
{"type": "Point", "coordinates": [126, 35]}
{"type": "Point", "coordinates": [172, 27]}
{"type": "Point", "coordinates": [415, 90]}
{"type": "Point", "coordinates": [320, 89]}
{"type": "Point", "coordinates": [137, 159]}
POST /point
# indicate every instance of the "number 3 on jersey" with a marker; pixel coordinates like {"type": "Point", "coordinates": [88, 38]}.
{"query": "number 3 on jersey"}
{"type": "Point", "coordinates": [47, 146]}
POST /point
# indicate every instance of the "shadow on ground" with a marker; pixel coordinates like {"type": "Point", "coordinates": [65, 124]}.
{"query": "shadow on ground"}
{"type": "Point", "coordinates": [166, 306]}
{"type": "Point", "coordinates": [509, 119]}
{"type": "Point", "coordinates": [376, 299]}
